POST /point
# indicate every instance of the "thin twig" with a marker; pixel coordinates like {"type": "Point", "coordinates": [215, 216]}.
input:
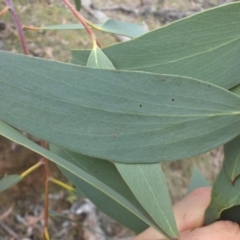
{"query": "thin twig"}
{"type": "Point", "coordinates": [46, 201]}
{"type": "Point", "coordinates": [9, 231]}
{"type": "Point", "coordinates": [6, 213]}
{"type": "Point", "coordinates": [18, 26]}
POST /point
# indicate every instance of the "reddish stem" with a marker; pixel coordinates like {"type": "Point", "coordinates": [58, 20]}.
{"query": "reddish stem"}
{"type": "Point", "coordinates": [18, 25]}
{"type": "Point", "coordinates": [83, 22]}
{"type": "Point", "coordinates": [46, 201]}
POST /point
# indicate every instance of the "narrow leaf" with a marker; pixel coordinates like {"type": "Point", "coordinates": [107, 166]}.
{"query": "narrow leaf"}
{"type": "Point", "coordinates": [98, 59]}
{"type": "Point", "coordinates": [107, 173]}
{"type": "Point", "coordinates": [12, 134]}
{"type": "Point", "coordinates": [121, 116]}
{"type": "Point", "coordinates": [127, 29]}
{"type": "Point", "coordinates": [205, 46]}
{"type": "Point", "coordinates": [8, 181]}
{"type": "Point", "coordinates": [131, 30]}
{"type": "Point", "coordinates": [148, 184]}
{"type": "Point", "coordinates": [197, 180]}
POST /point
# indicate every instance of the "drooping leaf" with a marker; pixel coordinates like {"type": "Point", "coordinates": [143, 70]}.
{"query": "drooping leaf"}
{"type": "Point", "coordinates": [90, 180]}
{"type": "Point", "coordinates": [98, 59]}
{"type": "Point", "coordinates": [148, 184]}
{"type": "Point", "coordinates": [197, 180]}
{"type": "Point", "coordinates": [121, 116]}
{"type": "Point", "coordinates": [127, 29]}
{"type": "Point", "coordinates": [205, 46]}
{"type": "Point", "coordinates": [78, 4]}
{"type": "Point", "coordinates": [225, 195]}
{"type": "Point", "coordinates": [8, 181]}
{"type": "Point", "coordinates": [107, 173]}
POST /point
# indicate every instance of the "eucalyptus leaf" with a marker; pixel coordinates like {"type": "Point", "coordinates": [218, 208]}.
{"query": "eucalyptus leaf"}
{"type": "Point", "coordinates": [121, 116]}
{"type": "Point", "coordinates": [205, 46]}
{"type": "Point", "coordinates": [90, 180]}
{"type": "Point", "coordinates": [107, 173]}
{"type": "Point", "coordinates": [8, 181]}
{"type": "Point", "coordinates": [127, 29]}
{"type": "Point", "coordinates": [232, 158]}
{"type": "Point", "coordinates": [148, 184]}
{"type": "Point", "coordinates": [98, 59]}
{"type": "Point", "coordinates": [197, 180]}
{"type": "Point", "coordinates": [225, 195]}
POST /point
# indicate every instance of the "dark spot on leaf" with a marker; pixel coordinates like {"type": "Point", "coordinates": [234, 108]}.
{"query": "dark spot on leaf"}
{"type": "Point", "coordinates": [173, 99]}
{"type": "Point", "coordinates": [95, 172]}
{"type": "Point", "coordinates": [163, 79]}
{"type": "Point", "coordinates": [140, 105]}
{"type": "Point", "coordinates": [209, 85]}
{"type": "Point", "coordinates": [114, 135]}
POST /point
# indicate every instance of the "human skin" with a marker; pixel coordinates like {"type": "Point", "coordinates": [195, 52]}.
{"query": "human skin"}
{"type": "Point", "coordinates": [189, 214]}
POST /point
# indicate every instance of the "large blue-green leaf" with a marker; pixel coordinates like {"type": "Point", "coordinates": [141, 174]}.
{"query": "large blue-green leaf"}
{"type": "Point", "coordinates": [131, 117]}
{"type": "Point", "coordinates": [148, 184]}
{"type": "Point", "coordinates": [107, 173]}
{"type": "Point", "coordinates": [205, 46]}
{"type": "Point", "coordinates": [127, 29]}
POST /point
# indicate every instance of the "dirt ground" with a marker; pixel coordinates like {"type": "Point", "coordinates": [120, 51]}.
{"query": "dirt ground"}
{"type": "Point", "coordinates": [21, 207]}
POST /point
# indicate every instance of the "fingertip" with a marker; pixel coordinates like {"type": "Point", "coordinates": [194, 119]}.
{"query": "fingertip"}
{"type": "Point", "coordinates": [201, 192]}
{"type": "Point", "coordinates": [189, 212]}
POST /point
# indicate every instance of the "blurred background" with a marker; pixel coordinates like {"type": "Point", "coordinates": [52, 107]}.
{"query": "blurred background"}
{"type": "Point", "coordinates": [21, 207]}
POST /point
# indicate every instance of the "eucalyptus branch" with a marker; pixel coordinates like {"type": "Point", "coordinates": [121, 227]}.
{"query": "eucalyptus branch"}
{"type": "Point", "coordinates": [83, 22]}
{"type": "Point", "coordinates": [18, 25]}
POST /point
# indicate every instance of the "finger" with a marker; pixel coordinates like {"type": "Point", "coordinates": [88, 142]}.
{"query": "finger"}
{"type": "Point", "coordinates": [189, 213]}
{"type": "Point", "coordinates": [222, 230]}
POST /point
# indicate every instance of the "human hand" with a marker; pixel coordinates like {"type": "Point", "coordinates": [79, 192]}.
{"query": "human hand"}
{"type": "Point", "coordinates": [189, 214]}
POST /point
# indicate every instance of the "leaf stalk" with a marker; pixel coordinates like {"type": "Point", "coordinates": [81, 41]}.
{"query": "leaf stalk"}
{"type": "Point", "coordinates": [31, 169]}
{"type": "Point", "coordinates": [83, 22]}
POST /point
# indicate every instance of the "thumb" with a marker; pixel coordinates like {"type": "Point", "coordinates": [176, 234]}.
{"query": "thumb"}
{"type": "Point", "coordinates": [222, 230]}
